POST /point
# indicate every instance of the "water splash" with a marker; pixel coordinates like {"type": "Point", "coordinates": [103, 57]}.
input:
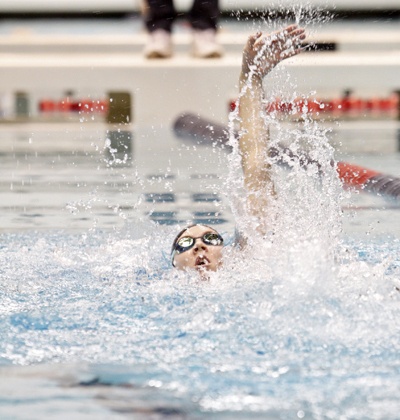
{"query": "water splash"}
{"type": "Point", "coordinates": [244, 341]}
{"type": "Point", "coordinates": [277, 15]}
{"type": "Point", "coordinates": [305, 218]}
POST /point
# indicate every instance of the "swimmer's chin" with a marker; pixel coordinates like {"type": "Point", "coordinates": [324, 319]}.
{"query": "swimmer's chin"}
{"type": "Point", "coordinates": [204, 267]}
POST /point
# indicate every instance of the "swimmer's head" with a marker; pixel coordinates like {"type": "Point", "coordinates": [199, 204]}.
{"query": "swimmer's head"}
{"type": "Point", "coordinates": [198, 247]}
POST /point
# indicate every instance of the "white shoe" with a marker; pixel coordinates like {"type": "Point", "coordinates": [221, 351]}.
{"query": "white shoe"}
{"type": "Point", "coordinates": [205, 44]}
{"type": "Point", "coordinates": [159, 44]}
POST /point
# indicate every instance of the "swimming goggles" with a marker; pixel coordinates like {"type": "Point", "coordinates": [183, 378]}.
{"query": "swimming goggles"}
{"type": "Point", "coordinates": [187, 242]}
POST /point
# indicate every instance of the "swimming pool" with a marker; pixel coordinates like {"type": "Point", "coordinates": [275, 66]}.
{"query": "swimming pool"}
{"type": "Point", "coordinates": [94, 323]}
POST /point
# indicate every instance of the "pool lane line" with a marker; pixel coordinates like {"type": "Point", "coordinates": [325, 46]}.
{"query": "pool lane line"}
{"type": "Point", "coordinates": [193, 127]}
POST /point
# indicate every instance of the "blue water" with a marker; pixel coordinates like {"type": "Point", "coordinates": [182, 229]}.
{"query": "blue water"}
{"type": "Point", "coordinates": [96, 324]}
{"type": "Point", "coordinates": [244, 344]}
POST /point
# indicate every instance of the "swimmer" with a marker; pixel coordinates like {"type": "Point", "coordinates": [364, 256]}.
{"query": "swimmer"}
{"type": "Point", "coordinates": [199, 247]}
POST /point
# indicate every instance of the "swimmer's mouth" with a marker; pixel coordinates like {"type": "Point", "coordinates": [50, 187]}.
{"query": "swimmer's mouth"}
{"type": "Point", "coordinates": [202, 261]}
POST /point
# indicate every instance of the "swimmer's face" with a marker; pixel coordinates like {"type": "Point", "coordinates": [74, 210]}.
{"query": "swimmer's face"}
{"type": "Point", "coordinates": [200, 256]}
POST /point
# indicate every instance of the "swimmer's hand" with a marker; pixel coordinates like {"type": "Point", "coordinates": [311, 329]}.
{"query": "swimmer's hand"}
{"type": "Point", "coordinates": [264, 51]}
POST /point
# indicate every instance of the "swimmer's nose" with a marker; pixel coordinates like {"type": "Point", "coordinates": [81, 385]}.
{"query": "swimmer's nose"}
{"type": "Point", "coordinates": [199, 245]}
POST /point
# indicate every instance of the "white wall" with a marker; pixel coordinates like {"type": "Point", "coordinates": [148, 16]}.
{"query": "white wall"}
{"type": "Point", "coordinates": [134, 5]}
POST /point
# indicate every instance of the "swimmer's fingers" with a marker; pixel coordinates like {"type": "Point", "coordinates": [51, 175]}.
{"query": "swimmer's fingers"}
{"type": "Point", "coordinates": [298, 39]}
{"type": "Point", "coordinates": [294, 30]}
{"type": "Point", "coordinates": [264, 51]}
{"type": "Point", "coordinates": [294, 40]}
{"type": "Point", "coordinates": [293, 43]}
{"type": "Point", "coordinates": [281, 40]}
{"type": "Point", "coordinates": [253, 38]}
{"type": "Point", "coordinates": [251, 41]}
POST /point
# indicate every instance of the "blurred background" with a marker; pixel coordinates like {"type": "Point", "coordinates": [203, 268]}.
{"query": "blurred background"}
{"type": "Point", "coordinates": [54, 50]}
{"type": "Point", "coordinates": [129, 6]}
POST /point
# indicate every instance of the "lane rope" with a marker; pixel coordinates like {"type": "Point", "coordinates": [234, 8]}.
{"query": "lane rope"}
{"type": "Point", "coordinates": [190, 126]}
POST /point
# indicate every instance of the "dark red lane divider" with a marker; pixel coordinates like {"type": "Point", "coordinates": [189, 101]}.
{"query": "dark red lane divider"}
{"type": "Point", "coordinates": [369, 180]}
{"type": "Point", "coordinates": [355, 175]}
{"type": "Point", "coordinates": [195, 128]}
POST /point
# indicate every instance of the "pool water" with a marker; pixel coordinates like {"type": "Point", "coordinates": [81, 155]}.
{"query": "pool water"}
{"type": "Point", "coordinates": [103, 317]}
{"type": "Point", "coordinates": [96, 324]}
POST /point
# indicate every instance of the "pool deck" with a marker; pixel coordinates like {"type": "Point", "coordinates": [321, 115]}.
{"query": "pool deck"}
{"type": "Point", "coordinates": [366, 60]}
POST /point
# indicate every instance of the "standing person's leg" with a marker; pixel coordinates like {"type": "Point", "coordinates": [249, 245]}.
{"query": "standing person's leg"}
{"type": "Point", "coordinates": [159, 16]}
{"type": "Point", "coordinates": [204, 14]}
{"type": "Point", "coordinates": [203, 18]}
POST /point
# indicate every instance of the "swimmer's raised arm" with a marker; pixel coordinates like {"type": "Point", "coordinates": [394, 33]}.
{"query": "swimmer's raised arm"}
{"type": "Point", "coordinates": [261, 54]}
{"type": "Point", "coordinates": [198, 246]}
